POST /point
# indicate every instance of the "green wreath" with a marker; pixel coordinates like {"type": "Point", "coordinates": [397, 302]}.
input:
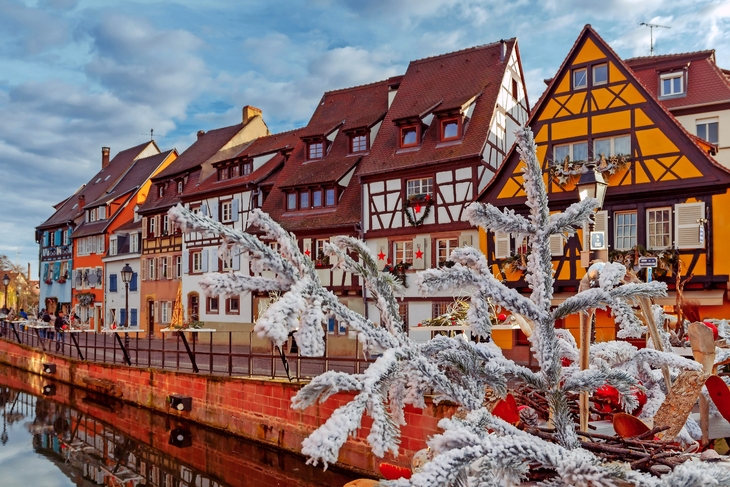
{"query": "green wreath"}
{"type": "Point", "coordinates": [426, 203]}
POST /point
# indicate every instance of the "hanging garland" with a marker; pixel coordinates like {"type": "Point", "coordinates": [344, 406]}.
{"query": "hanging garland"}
{"type": "Point", "coordinates": [417, 202]}
{"type": "Point", "coordinates": [565, 171]}
{"type": "Point", "coordinates": [85, 299]}
{"type": "Point", "coordinates": [666, 259]}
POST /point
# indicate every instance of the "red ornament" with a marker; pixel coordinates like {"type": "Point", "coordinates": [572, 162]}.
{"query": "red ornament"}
{"type": "Point", "coordinates": [394, 472]}
{"type": "Point", "coordinates": [712, 327]}
{"type": "Point", "coordinates": [502, 317]}
{"type": "Point", "coordinates": [418, 207]}
{"type": "Point", "coordinates": [507, 410]}
{"type": "Point", "coordinates": [381, 255]}
{"type": "Point", "coordinates": [566, 362]}
{"type": "Point", "coordinates": [419, 254]}
{"type": "Point", "coordinates": [307, 252]}
{"type": "Point", "coordinates": [607, 393]}
{"type": "Point", "coordinates": [428, 197]}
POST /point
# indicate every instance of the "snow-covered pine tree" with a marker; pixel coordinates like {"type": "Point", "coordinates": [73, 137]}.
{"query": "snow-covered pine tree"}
{"type": "Point", "coordinates": [477, 448]}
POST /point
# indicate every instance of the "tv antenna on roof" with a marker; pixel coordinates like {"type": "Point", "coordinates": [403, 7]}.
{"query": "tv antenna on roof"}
{"type": "Point", "coordinates": [651, 34]}
{"type": "Point", "coordinates": [152, 135]}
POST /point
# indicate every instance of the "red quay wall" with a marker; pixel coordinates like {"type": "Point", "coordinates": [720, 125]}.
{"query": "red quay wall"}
{"type": "Point", "coordinates": [253, 408]}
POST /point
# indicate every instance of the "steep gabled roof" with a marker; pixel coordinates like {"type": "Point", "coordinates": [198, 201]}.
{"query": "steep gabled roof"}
{"type": "Point", "coordinates": [680, 164]}
{"type": "Point", "coordinates": [98, 185]}
{"type": "Point", "coordinates": [436, 84]}
{"type": "Point", "coordinates": [706, 83]}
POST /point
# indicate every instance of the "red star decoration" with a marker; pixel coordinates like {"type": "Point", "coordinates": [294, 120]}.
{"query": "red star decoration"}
{"type": "Point", "coordinates": [307, 252]}
{"type": "Point", "coordinates": [381, 255]}
{"type": "Point", "coordinates": [418, 208]}
{"type": "Point", "coordinates": [419, 254]}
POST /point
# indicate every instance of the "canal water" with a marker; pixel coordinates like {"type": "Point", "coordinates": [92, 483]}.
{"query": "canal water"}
{"type": "Point", "coordinates": [57, 436]}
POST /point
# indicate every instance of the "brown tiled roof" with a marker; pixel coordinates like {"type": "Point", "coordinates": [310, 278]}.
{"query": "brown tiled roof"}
{"type": "Point", "coordinates": [706, 83]}
{"type": "Point", "coordinates": [170, 197]}
{"type": "Point", "coordinates": [140, 171]}
{"type": "Point", "coordinates": [129, 226]}
{"type": "Point", "coordinates": [261, 146]}
{"type": "Point", "coordinates": [202, 149]}
{"type": "Point", "coordinates": [434, 84]}
{"type": "Point", "coordinates": [97, 186]}
{"type": "Point", "coordinates": [92, 228]}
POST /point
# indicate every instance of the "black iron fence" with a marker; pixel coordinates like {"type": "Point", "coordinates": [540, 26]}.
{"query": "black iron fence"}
{"type": "Point", "coordinates": [229, 353]}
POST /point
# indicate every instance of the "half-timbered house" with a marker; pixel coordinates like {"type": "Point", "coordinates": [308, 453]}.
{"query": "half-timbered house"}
{"type": "Point", "coordinates": [162, 245]}
{"type": "Point", "coordinates": [240, 182]}
{"type": "Point", "coordinates": [665, 193]}
{"type": "Point", "coordinates": [449, 126]}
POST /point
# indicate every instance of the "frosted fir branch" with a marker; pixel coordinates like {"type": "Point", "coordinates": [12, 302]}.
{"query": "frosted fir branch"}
{"type": "Point", "coordinates": [657, 359]}
{"type": "Point", "coordinates": [235, 283]}
{"type": "Point", "coordinates": [489, 217]}
{"type": "Point", "coordinates": [611, 354]}
{"type": "Point", "coordinates": [478, 316]}
{"type": "Point", "coordinates": [611, 275]}
{"type": "Point", "coordinates": [384, 433]}
{"type": "Point", "coordinates": [634, 292]}
{"type": "Point", "coordinates": [583, 301]}
{"type": "Point", "coordinates": [323, 386]}
{"type": "Point", "coordinates": [591, 379]}
{"type": "Point", "coordinates": [574, 216]}
{"type": "Point", "coordinates": [324, 444]}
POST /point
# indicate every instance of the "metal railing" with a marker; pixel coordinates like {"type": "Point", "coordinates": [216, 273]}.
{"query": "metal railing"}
{"type": "Point", "coordinates": [227, 353]}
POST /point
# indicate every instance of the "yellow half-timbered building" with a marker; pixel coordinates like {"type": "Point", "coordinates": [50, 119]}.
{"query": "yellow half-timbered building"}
{"type": "Point", "coordinates": [666, 197]}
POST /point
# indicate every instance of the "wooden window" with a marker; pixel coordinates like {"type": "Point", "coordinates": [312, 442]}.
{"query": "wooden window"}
{"type": "Point", "coordinates": [233, 305]}
{"type": "Point", "coordinates": [151, 226]}
{"type": "Point", "coordinates": [213, 305]}
{"type": "Point", "coordinates": [708, 129]}
{"type": "Point", "coordinates": [275, 246]}
{"type": "Point", "coordinates": [80, 246]}
{"type": "Point", "coordinates": [134, 242]}
{"type": "Point", "coordinates": [101, 212]}
{"type": "Point", "coordinates": [600, 74]}
{"type": "Point", "coordinates": [625, 230]}
{"type": "Point", "coordinates": [317, 198]}
{"type": "Point", "coordinates": [439, 308]}
{"type": "Point", "coordinates": [65, 237]}
{"type": "Point", "coordinates": [180, 187]}
{"type": "Point", "coordinates": [403, 252]}
{"type": "Point", "coordinates": [659, 228]}
{"type": "Point", "coordinates": [320, 259]}
{"type": "Point", "coordinates": [330, 197]}
{"type": "Point", "coordinates": [315, 150]}
{"type": "Point", "coordinates": [165, 311]}
{"type": "Point", "coordinates": [164, 271]}
{"type": "Point", "coordinates": [417, 187]}
{"type": "Point", "coordinates": [222, 173]}
{"type": "Point", "coordinates": [359, 143]}
{"type": "Point", "coordinates": [403, 312]}
{"type": "Point", "coordinates": [502, 245]}
{"type": "Point", "coordinates": [580, 78]}
{"type": "Point", "coordinates": [113, 246]}
{"type": "Point", "coordinates": [304, 200]}
{"type": "Point", "coordinates": [409, 136]}
{"type": "Point", "coordinates": [160, 191]}
{"type": "Point", "coordinates": [227, 264]}
{"type": "Point", "coordinates": [612, 146]}
{"type": "Point", "coordinates": [178, 266]}
{"type": "Point", "coordinates": [197, 261]}
{"type": "Point", "coordinates": [151, 269]}
{"type": "Point", "coordinates": [165, 225]}
{"type": "Point", "coordinates": [291, 201]}
{"type": "Point", "coordinates": [226, 213]}
{"type": "Point", "coordinates": [515, 90]}
{"type": "Point", "coordinates": [689, 225]}
{"type": "Point", "coordinates": [246, 168]}
{"type": "Point", "coordinates": [671, 84]}
{"type": "Point", "coordinates": [450, 129]}
{"type": "Point", "coordinates": [444, 247]}
{"type": "Point", "coordinates": [577, 151]}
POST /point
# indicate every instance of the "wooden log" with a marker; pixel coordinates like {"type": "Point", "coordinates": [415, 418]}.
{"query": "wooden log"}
{"type": "Point", "coordinates": [703, 349]}
{"type": "Point", "coordinates": [676, 407]}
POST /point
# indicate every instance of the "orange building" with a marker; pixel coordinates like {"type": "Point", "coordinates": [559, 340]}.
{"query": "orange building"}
{"type": "Point", "coordinates": [665, 193]}
{"type": "Point", "coordinates": [102, 216]}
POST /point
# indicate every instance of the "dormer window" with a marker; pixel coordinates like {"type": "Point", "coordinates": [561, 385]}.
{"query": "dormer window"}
{"type": "Point", "coordinates": [315, 150]}
{"type": "Point", "coordinates": [180, 187]}
{"type": "Point", "coordinates": [358, 143]}
{"type": "Point", "coordinates": [222, 173]}
{"type": "Point", "coordinates": [246, 168]}
{"type": "Point", "coordinates": [580, 78]}
{"type": "Point", "coordinates": [600, 74]}
{"type": "Point", "coordinates": [672, 84]}
{"type": "Point", "coordinates": [291, 201]}
{"type": "Point", "coordinates": [160, 191]}
{"type": "Point", "coordinates": [450, 129]}
{"type": "Point", "coordinates": [409, 136]}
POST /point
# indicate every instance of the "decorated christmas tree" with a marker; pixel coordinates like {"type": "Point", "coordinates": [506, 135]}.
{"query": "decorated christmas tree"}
{"type": "Point", "coordinates": [476, 448]}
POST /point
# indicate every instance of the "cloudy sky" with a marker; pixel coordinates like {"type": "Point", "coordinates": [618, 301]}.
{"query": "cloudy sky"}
{"type": "Point", "coordinates": [76, 75]}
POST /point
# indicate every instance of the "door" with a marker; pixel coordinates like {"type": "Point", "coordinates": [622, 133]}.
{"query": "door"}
{"type": "Point", "coordinates": [151, 317]}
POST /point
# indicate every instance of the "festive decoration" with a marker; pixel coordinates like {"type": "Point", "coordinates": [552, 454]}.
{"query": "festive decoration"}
{"type": "Point", "coordinates": [562, 172]}
{"type": "Point", "coordinates": [419, 254]}
{"type": "Point", "coordinates": [399, 271]}
{"type": "Point", "coordinates": [667, 259]}
{"type": "Point", "coordinates": [85, 299]}
{"type": "Point", "coordinates": [176, 321]}
{"type": "Point", "coordinates": [417, 203]}
{"type": "Point", "coordinates": [381, 255]}
{"type": "Point", "coordinates": [476, 448]}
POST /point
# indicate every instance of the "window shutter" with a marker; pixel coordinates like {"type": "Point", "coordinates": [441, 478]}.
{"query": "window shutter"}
{"type": "Point", "coordinates": [600, 225]}
{"type": "Point", "coordinates": [101, 244]}
{"type": "Point", "coordinates": [133, 282]}
{"type": "Point", "coordinates": [144, 227]}
{"type": "Point", "coordinates": [122, 317]}
{"type": "Point", "coordinates": [170, 274]}
{"type": "Point", "coordinates": [185, 262]}
{"type": "Point", "coordinates": [144, 269]}
{"type": "Point", "coordinates": [73, 274]}
{"type": "Point", "coordinates": [204, 260]}
{"type": "Point", "coordinates": [45, 271]}
{"type": "Point", "coordinates": [465, 241]}
{"type": "Point", "coordinates": [502, 243]}
{"type": "Point", "coordinates": [236, 257]}
{"type": "Point", "coordinates": [112, 283]}
{"type": "Point", "coordinates": [419, 248]}
{"type": "Point", "coordinates": [204, 209]}
{"type": "Point", "coordinates": [69, 235]}
{"type": "Point", "coordinates": [687, 226]}
{"type": "Point", "coordinates": [234, 210]}
{"type": "Point", "coordinates": [307, 246]}
{"type": "Point", "coordinates": [57, 238]}
{"type": "Point", "coordinates": [214, 212]}
{"type": "Point", "coordinates": [133, 317]}
{"type": "Point", "coordinates": [556, 245]}
{"type": "Point", "coordinates": [45, 239]}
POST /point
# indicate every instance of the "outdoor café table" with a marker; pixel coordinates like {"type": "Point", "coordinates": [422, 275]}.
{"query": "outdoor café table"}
{"type": "Point", "coordinates": [36, 326]}
{"type": "Point", "coordinates": [116, 333]}
{"type": "Point", "coordinates": [73, 332]}
{"type": "Point", "coordinates": [15, 331]}
{"type": "Point", "coordinates": [191, 355]}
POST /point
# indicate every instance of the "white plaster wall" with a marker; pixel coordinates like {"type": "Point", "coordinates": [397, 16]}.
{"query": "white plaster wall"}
{"type": "Point", "coordinates": [690, 124]}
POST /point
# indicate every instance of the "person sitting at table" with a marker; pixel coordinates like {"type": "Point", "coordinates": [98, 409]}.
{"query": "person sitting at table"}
{"type": "Point", "coordinates": [23, 314]}
{"type": "Point", "coordinates": [58, 325]}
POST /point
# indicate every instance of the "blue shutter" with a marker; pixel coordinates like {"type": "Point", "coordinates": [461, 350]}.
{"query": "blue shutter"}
{"type": "Point", "coordinates": [234, 210]}
{"type": "Point", "coordinates": [122, 317]}
{"type": "Point", "coordinates": [69, 235]}
{"type": "Point", "coordinates": [331, 325]}
{"type": "Point", "coordinates": [133, 282]}
{"type": "Point", "coordinates": [133, 317]}
{"type": "Point", "coordinates": [204, 260]}
{"type": "Point", "coordinates": [45, 239]}
{"type": "Point", "coordinates": [214, 212]}
{"type": "Point", "coordinates": [45, 272]}
{"type": "Point", "coordinates": [112, 283]}
{"type": "Point", "coordinates": [56, 271]}
{"type": "Point", "coordinates": [204, 209]}
{"type": "Point", "coordinates": [59, 236]}
{"type": "Point", "coordinates": [185, 263]}
{"type": "Point", "coordinates": [236, 261]}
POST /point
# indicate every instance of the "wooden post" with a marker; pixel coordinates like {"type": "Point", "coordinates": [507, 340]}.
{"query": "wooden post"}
{"type": "Point", "coordinates": [703, 350]}
{"type": "Point", "coordinates": [645, 304]}
{"type": "Point", "coordinates": [585, 353]}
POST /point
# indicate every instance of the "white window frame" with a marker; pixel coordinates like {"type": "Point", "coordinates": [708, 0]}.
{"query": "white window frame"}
{"type": "Point", "coordinates": [572, 76]}
{"type": "Point", "coordinates": [100, 244]}
{"type": "Point", "coordinates": [419, 186]}
{"type": "Point", "coordinates": [166, 311]}
{"type": "Point", "coordinates": [81, 246]}
{"type": "Point", "coordinates": [616, 218]}
{"type": "Point", "coordinates": [165, 227]}
{"type": "Point", "coordinates": [612, 151]}
{"type": "Point", "coordinates": [706, 122]}
{"type": "Point", "coordinates": [151, 269]}
{"type": "Point", "coordinates": [668, 233]}
{"type": "Point", "coordinates": [570, 151]}
{"type": "Point", "coordinates": [164, 269]}
{"type": "Point", "coordinates": [178, 266]}
{"type": "Point", "coordinates": [197, 264]}
{"type": "Point", "coordinates": [133, 242]}
{"type": "Point", "coordinates": [673, 75]}
{"type": "Point", "coordinates": [402, 251]}
{"type": "Point", "coordinates": [101, 213]}
{"type": "Point", "coordinates": [227, 264]}
{"type": "Point", "coordinates": [113, 246]}
{"type": "Point", "coordinates": [446, 245]}
{"type": "Point", "coordinates": [226, 211]}
{"type": "Point", "coordinates": [593, 73]}
{"type": "Point", "coordinates": [152, 226]}
{"type": "Point", "coordinates": [64, 237]}
{"type": "Point", "coordinates": [502, 245]}
{"type": "Point", "coordinates": [179, 187]}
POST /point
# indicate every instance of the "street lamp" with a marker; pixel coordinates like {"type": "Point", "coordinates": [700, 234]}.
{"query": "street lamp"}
{"type": "Point", "coordinates": [127, 273]}
{"type": "Point", "coordinates": [6, 281]}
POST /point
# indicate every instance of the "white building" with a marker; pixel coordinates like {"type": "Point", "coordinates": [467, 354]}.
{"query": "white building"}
{"type": "Point", "coordinates": [124, 248]}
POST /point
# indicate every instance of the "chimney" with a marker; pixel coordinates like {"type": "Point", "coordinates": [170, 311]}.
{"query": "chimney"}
{"type": "Point", "coordinates": [502, 50]}
{"type": "Point", "coordinates": [201, 133]}
{"type": "Point", "coordinates": [82, 202]}
{"type": "Point", "coordinates": [104, 157]}
{"type": "Point", "coordinates": [249, 112]}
